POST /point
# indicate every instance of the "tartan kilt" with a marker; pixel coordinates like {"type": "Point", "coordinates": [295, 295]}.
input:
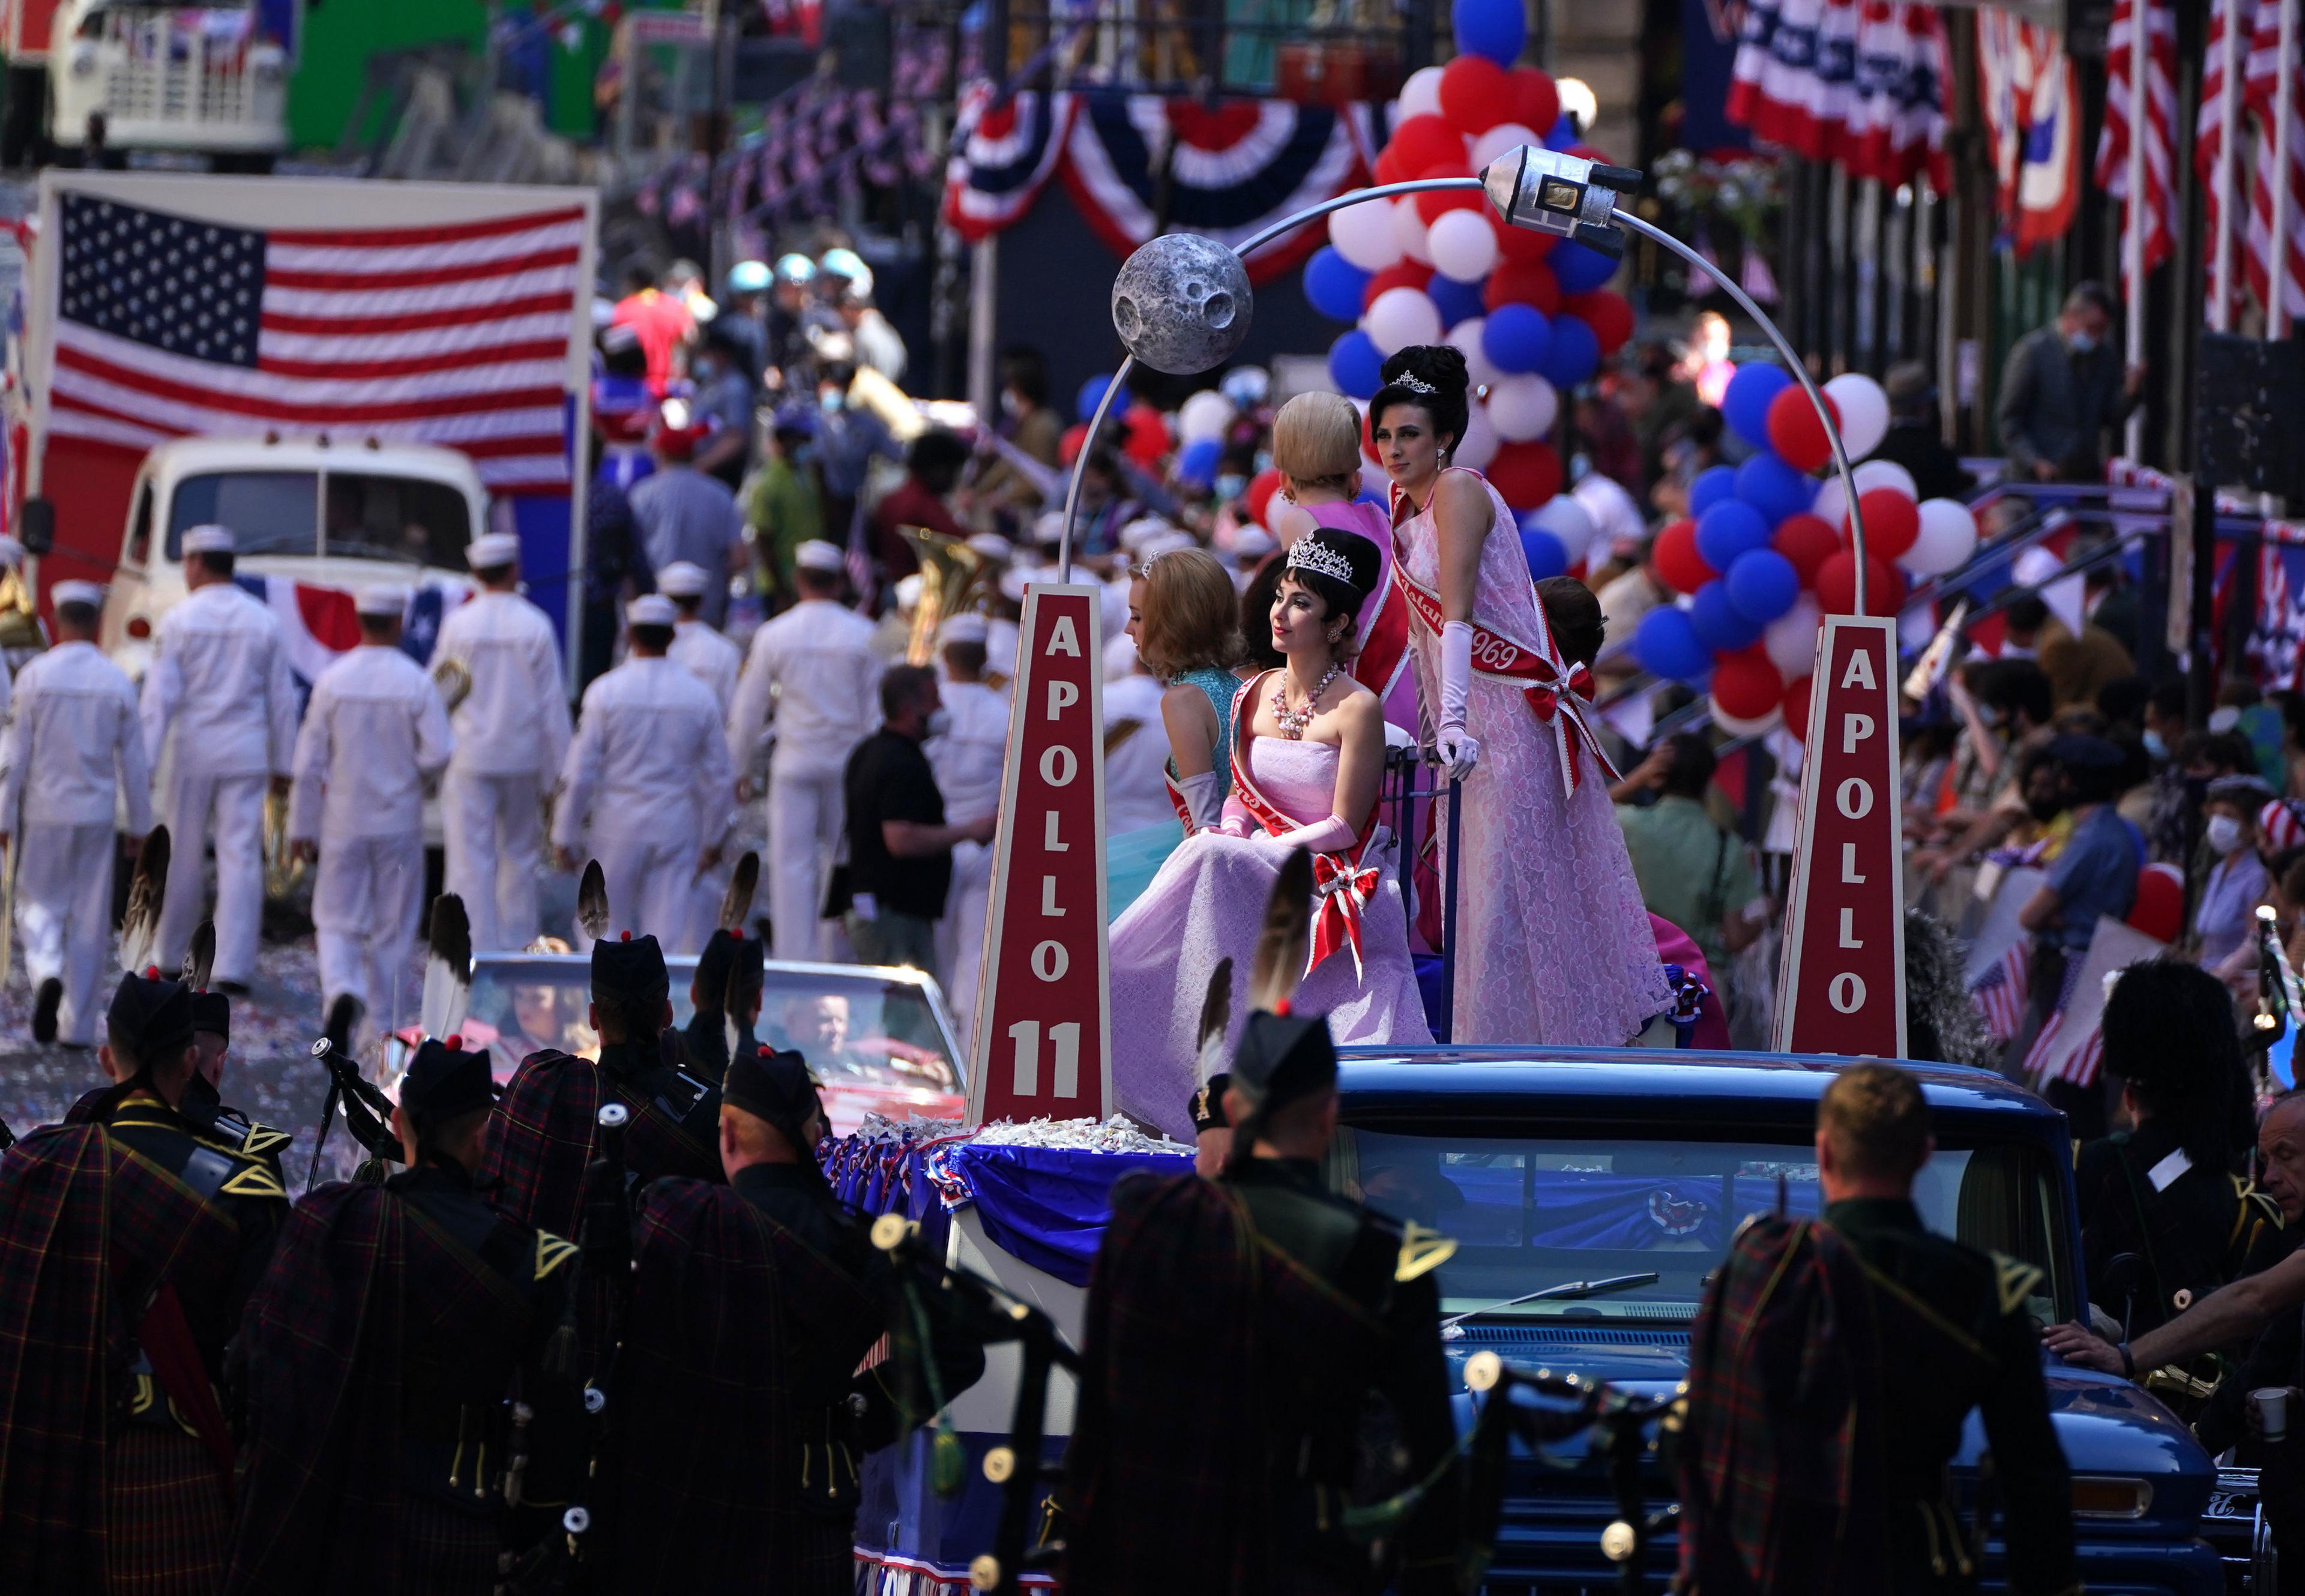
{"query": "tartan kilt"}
{"type": "Point", "coordinates": [168, 1526]}
{"type": "Point", "coordinates": [445, 1551]}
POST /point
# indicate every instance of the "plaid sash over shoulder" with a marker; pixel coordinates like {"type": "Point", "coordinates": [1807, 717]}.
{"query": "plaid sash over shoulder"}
{"type": "Point", "coordinates": [1783, 1460]}
{"type": "Point", "coordinates": [540, 1139]}
{"type": "Point", "coordinates": [88, 1230]}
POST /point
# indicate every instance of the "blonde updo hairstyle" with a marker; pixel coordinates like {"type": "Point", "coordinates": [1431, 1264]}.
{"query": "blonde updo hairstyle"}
{"type": "Point", "coordinates": [1316, 442]}
{"type": "Point", "coordinates": [1191, 615]}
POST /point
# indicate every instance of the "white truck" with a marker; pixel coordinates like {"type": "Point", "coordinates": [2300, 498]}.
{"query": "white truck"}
{"type": "Point", "coordinates": [97, 76]}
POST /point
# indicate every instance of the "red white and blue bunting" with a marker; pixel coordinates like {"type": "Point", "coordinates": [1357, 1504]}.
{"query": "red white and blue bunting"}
{"type": "Point", "coordinates": [1002, 156]}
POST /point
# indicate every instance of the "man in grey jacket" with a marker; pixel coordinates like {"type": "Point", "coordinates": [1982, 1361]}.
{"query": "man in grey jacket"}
{"type": "Point", "coordinates": [2063, 386]}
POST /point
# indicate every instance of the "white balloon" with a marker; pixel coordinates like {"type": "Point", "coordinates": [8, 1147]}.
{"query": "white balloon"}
{"type": "Point", "coordinates": [1886, 474]}
{"type": "Point", "coordinates": [1790, 639]}
{"type": "Point", "coordinates": [1567, 520]}
{"type": "Point", "coordinates": [1948, 538]}
{"type": "Point", "coordinates": [1408, 230]}
{"type": "Point", "coordinates": [1504, 137]}
{"type": "Point", "coordinates": [1480, 442]}
{"type": "Point", "coordinates": [1207, 415]}
{"type": "Point", "coordinates": [1831, 504]}
{"type": "Point", "coordinates": [1462, 244]}
{"type": "Point", "coordinates": [1401, 317]}
{"type": "Point", "coordinates": [1364, 236]}
{"type": "Point", "coordinates": [1421, 95]}
{"type": "Point", "coordinates": [1465, 337]}
{"type": "Point", "coordinates": [1760, 726]}
{"type": "Point", "coordinates": [1521, 408]}
{"type": "Point", "coordinates": [1864, 413]}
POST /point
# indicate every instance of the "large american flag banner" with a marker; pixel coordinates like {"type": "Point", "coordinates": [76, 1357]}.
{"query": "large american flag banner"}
{"type": "Point", "coordinates": [457, 335]}
{"type": "Point", "coordinates": [2147, 113]}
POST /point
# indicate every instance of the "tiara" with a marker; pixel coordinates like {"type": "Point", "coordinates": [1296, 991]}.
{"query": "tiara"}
{"type": "Point", "coordinates": [1413, 384]}
{"type": "Point", "coordinates": [1310, 553]}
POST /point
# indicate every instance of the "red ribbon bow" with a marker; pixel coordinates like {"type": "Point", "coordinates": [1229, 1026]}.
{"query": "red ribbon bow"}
{"type": "Point", "coordinates": [1545, 700]}
{"type": "Point", "coordinates": [1344, 892]}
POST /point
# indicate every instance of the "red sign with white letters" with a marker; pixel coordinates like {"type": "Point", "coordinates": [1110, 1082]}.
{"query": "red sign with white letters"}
{"type": "Point", "coordinates": [1841, 987]}
{"type": "Point", "coordinates": [1044, 1026]}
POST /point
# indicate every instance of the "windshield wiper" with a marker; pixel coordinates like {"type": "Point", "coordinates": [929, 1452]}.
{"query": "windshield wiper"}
{"type": "Point", "coordinates": [1566, 1291]}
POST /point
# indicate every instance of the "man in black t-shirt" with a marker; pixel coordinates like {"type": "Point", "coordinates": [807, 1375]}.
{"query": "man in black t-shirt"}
{"type": "Point", "coordinates": [899, 847]}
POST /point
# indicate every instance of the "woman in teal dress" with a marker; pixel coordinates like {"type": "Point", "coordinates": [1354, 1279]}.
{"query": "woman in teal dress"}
{"type": "Point", "coordinates": [1185, 619]}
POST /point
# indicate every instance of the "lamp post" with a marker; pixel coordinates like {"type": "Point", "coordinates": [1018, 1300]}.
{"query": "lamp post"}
{"type": "Point", "coordinates": [1536, 188]}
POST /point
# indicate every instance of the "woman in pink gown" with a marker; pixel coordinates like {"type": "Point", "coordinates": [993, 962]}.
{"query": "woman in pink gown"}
{"type": "Point", "coordinates": [1308, 756]}
{"type": "Point", "coordinates": [1552, 945]}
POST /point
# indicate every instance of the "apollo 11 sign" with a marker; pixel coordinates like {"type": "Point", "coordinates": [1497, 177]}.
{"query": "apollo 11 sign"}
{"type": "Point", "coordinates": [1044, 1019]}
{"type": "Point", "coordinates": [1842, 984]}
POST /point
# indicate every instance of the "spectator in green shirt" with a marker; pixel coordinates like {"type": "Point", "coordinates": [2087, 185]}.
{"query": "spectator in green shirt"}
{"type": "Point", "coordinates": [1691, 871]}
{"type": "Point", "coordinates": [785, 508]}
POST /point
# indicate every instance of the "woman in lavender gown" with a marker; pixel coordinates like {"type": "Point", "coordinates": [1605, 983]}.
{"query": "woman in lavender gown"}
{"type": "Point", "coordinates": [1552, 945]}
{"type": "Point", "coordinates": [1308, 747]}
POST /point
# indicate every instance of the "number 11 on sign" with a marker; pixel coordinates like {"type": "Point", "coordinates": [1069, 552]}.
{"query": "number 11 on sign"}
{"type": "Point", "coordinates": [1065, 1039]}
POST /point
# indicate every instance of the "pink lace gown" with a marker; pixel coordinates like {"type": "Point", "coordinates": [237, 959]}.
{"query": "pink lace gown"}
{"type": "Point", "coordinates": [1208, 903]}
{"type": "Point", "coordinates": [1553, 944]}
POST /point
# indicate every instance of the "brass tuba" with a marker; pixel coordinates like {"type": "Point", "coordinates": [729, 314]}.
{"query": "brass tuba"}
{"type": "Point", "coordinates": [20, 620]}
{"type": "Point", "coordinates": [952, 580]}
{"type": "Point", "coordinates": [283, 871]}
{"type": "Point", "coordinates": [453, 680]}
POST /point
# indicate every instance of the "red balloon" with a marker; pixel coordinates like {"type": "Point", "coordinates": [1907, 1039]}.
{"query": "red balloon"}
{"type": "Point", "coordinates": [1147, 435]}
{"type": "Point", "coordinates": [1476, 94]}
{"type": "Point", "coordinates": [1068, 447]}
{"type": "Point", "coordinates": [1893, 523]}
{"type": "Point", "coordinates": [1517, 245]}
{"type": "Point", "coordinates": [1435, 203]}
{"type": "Point", "coordinates": [1795, 706]}
{"type": "Point", "coordinates": [2160, 908]}
{"type": "Point", "coordinates": [1607, 313]}
{"type": "Point", "coordinates": [1796, 433]}
{"type": "Point", "coordinates": [1261, 486]}
{"type": "Point", "coordinates": [1388, 168]}
{"type": "Point", "coordinates": [1423, 141]}
{"type": "Point", "coordinates": [1400, 274]}
{"type": "Point", "coordinates": [1527, 475]}
{"type": "Point", "coordinates": [1746, 687]}
{"type": "Point", "coordinates": [1535, 101]}
{"type": "Point", "coordinates": [1836, 586]}
{"type": "Point", "coordinates": [1678, 563]}
{"type": "Point", "coordinates": [1808, 541]}
{"type": "Point", "coordinates": [1523, 283]}
{"type": "Point", "coordinates": [1585, 152]}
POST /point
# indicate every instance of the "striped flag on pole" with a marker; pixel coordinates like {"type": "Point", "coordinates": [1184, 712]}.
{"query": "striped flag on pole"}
{"type": "Point", "coordinates": [2274, 96]}
{"type": "Point", "coordinates": [2000, 993]}
{"type": "Point", "coordinates": [2219, 152]}
{"type": "Point", "coordinates": [2138, 119]}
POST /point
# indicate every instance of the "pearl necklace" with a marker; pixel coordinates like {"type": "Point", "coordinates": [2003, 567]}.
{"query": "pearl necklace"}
{"type": "Point", "coordinates": [1293, 722]}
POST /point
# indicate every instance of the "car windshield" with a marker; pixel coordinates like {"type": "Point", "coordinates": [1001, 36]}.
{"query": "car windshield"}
{"type": "Point", "coordinates": [873, 1044]}
{"type": "Point", "coordinates": [410, 519]}
{"type": "Point", "coordinates": [269, 512]}
{"type": "Point", "coordinates": [1647, 1220]}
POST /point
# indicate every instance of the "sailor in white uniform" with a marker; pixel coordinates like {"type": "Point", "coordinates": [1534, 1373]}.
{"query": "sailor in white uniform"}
{"type": "Point", "coordinates": [698, 647]}
{"type": "Point", "coordinates": [968, 754]}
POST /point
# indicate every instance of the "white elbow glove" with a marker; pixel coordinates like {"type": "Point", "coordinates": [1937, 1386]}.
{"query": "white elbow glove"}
{"type": "Point", "coordinates": [1458, 751]}
{"type": "Point", "coordinates": [1322, 836]}
{"type": "Point", "coordinates": [1204, 796]}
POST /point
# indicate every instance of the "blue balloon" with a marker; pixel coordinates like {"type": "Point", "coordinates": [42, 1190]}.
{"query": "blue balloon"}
{"type": "Point", "coordinates": [1772, 488]}
{"type": "Point", "coordinates": [1578, 269]}
{"type": "Point", "coordinates": [1356, 365]}
{"type": "Point", "coordinates": [1729, 528]}
{"type": "Point", "coordinates": [1575, 355]}
{"type": "Point", "coordinates": [1762, 585]}
{"type": "Point", "coordinates": [1562, 133]}
{"type": "Point", "coordinates": [1516, 337]}
{"type": "Point", "coordinates": [1718, 624]}
{"type": "Point", "coordinates": [1547, 555]}
{"type": "Point", "coordinates": [1091, 394]}
{"type": "Point", "coordinates": [1457, 301]}
{"type": "Point", "coordinates": [1666, 643]}
{"type": "Point", "coordinates": [1713, 484]}
{"type": "Point", "coordinates": [1496, 28]}
{"type": "Point", "coordinates": [1196, 464]}
{"type": "Point", "coordinates": [1745, 405]}
{"type": "Point", "coordinates": [1333, 286]}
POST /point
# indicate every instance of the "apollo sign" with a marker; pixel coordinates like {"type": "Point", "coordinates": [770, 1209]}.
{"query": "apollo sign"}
{"type": "Point", "coordinates": [1044, 1029]}
{"type": "Point", "coordinates": [1843, 975]}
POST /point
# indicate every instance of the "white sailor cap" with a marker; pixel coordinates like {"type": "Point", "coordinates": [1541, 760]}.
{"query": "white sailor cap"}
{"type": "Point", "coordinates": [1141, 531]}
{"type": "Point", "coordinates": [1251, 541]}
{"type": "Point", "coordinates": [78, 592]}
{"type": "Point", "coordinates": [967, 627]}
{"type": "Point", "coordinates": [208, 539]}
{"type": "Point", "coordinates": [1169, 542]}
{"type": "Point", "coordinates": [817, 554]}
{"type": "Point", "coordinates": [908, 591]}
{"type": "Point", "coordinates": [382, 598]}
{"type": "Point", "coordinates": [993, 546]}
{"type": "Point", "coordinates": [683, 578]}
{"type": "Point", "coordinates": [12, 553]}
{"type": "Point", "coordinates": [651, 609]}
{"type": "Point", "coordinates": [491, 549]}
{"type": "Point", "coordinates": [1013, 581]}
{"type": "Point", "coordinates": [1050, 529]}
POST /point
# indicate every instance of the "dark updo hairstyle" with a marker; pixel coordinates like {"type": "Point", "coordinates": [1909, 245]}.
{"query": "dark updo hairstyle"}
{"type": "Point", "coordinates": [1341, 600]}
{"type": "Point", "coordinates": [1441, 368]}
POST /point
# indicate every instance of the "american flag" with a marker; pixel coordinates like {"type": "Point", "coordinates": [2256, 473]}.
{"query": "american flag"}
{"type": "Point", "coordinates": [2271, 99]}
{"type": "Point", "coordinates": [2000, 993]}
{"type": "Point", "coordinates": [456, 336]}
{"type": "Point", "coordinates": [2231, 23]}
{"type": "Point", "coordinates": [2122, 124]}
{"type": "Point", "coordinates": [2276, 641]}
{"type": "Point", "coordinates": [2080, 1066]}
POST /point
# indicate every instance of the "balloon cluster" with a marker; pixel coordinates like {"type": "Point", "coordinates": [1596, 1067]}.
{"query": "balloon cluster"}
{"type": "Point", "coordinates": [1528, 310]}
{"type": "Point", "coordinates": [1144, 435]}
{"type": "Point", "coordinates": [1765, 552]}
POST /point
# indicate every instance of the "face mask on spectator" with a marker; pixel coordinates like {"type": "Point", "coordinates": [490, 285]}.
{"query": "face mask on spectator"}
{"type": "Point", "coordinates": [1229, 488]}
{"type": "Point", "coordinates": [2157, 745]}
{"type": "Point", "coordinates": [2044, 807]}
{"type": "Point", "coordinates": [2081, 342]}
{"type": "Point", "coordinates": [2224, 832]}
{"type": "Point", "coordinates": [831, 400]}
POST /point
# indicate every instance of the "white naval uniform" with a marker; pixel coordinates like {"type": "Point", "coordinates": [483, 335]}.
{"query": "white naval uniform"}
{"type": "Point", "coordinates": [968, 760]}
{"type": "Point", "coordinates": [220, 700]}
{"type": "Point", "coordinates": [699, 650]}
{"type": "Point", "coordinates": [816, 662]}
{"type": "Point", "coordinates": [74, 737]}
{"type": "Point", "coordinates": [646, 787]}
{"type": "Point", "coordinates": [374, 731]}
{"type": "Point", "coordinates": [512, 735]}
{"type": "Point", "coordinates": [1136, 764]}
